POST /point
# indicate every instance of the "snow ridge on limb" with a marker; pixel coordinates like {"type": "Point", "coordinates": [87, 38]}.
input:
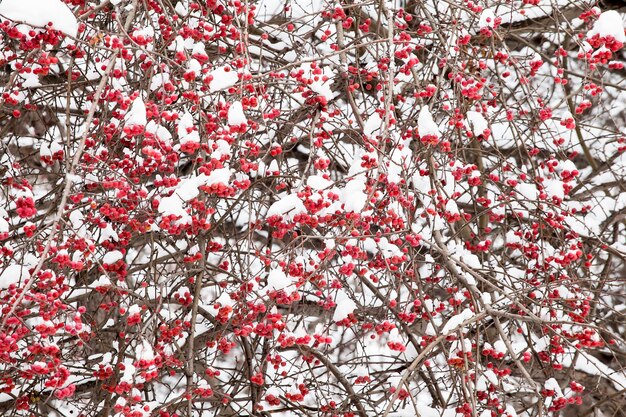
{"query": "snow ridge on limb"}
{"type": "Point", "coordinates": [330, 208]}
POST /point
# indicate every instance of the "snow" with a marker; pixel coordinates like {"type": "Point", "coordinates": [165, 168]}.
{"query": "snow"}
{"type": "Point", "coordinates": [188, 190]}
{"type": "Point", "coordinates": [236, 115]}
{"type": "Point", "coordinates": [134, 309]}
{"type": "Point", "coordinates": [289, 205]}
{"type": "Point", "coordinates": [387, 249]}
{"type": "Point", "coordinates": [172, 206]}
{"type": "Point", "coordinates": [477, 122]}
{"type": "Point", "coordinates": [487, 19]}
{"type": "Point", "coordinates": [39, 13]}
{"type": "Point", "coordinates": [194, 66]}
{"type": "Point", "coordinates": [277, 280]}
{"type": "Point", "coordinates": [609, 24]}
{"type": "Point", "coordinates": [552, 385]}
{"type": "Point", "coordinates": [459, 345]}
{"type": "Point", "coordinates": [345, 306]}
{"type": "Point", "coordinates": [426, 125]}
{"type": "Point", "coordinates": [186, 129]}
{"type": "Point", "coordinates": [428, 195]}
{"type": "Point", "coordinates": [266, 9]}
{"type": "Point", "coordinates": [319, 83]}
{"type": "Point", "coordinates": [13, 274]}
{"type": "Point", "coordinates": [373, 124]}
{"type": "Point", "coordinates": [136, 116]}
{"type": "Point", "coordinates": [4, 225]}
{"type": "Point", "coordinates": [31, 80]}
{"type": "Point", "coordinates": [317, 182]}
{"type": "Point", "coordinates": [425, 411]}
{"type": "Point", "coordinates": [452, 207]}
{"type": "Point", "coordinates": [499, 346]}
{"type": "Point", "coordinates": [491, 377]}
{"type": "Point", "coordinates": [223, 78]}
{"type": "Point", "coordinates": [182, 8]}
{"type": "Point", "coordinates": [594, 366]}
{"type": "Point", "coordinates": [199, 49]}
{"type": "Point", "coordinates": [223, 300]}
{"type": "Point", "coordinates": [528, 191]}
{"type": "Point", "coordinates": [354, 196]}
{"type": "Point", "coordinates": [112, 257]}
{"type": "Point", "coordinates": [455, 321]}
{"type": "Point", "coordinates": [218, 176]}
{"type": "Point", "coordinates": [129, 372]}
{"type": "Point", "coordinates": [323, 89]}
{"type": "Point", "coordinates": [103, 281]}
{"type": "Point", "coordinates": [144, 351]}
{"type": "Point", "coordinates": [554, 188]}
{"type": "Point", "coordinates": [108, 233]}
{"type": "Point", "coordinates": [158, 80]}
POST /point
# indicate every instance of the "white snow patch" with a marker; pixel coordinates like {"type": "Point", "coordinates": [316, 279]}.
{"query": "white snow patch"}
{"type": "Point", "coordinates": [452, 207]}
{"type": "Point", "coordinates": [223, 78]}
{"type": "Point", "coordinates": [182, 8]}
{"type": "Point", "coordinates": [4, 226]}
{"type": "Point", "coordinates": [487, 19]}
{"type": "Point", "coordinates": [354, 196]}
{"type": "Point", "coordinates": [455, 321]}
{"type": "Point", "coordinates": [103, 281]}
{"type": "Point", "coordinates": [425, 123]}
{"type": "Point", "coordinates": [188, 190]}
{"type": "Point", "coordinates": [320, 82]}
{"type": "Point", "coordinates": [112, 257]}
{"type": "Point", "coordinates": [136, 116]}
{"type": "Point", "coordinates": [277, 280]}
{"type": "Point", "coordinates": [345, 306]}
{"type": "Point", "coordinates": [186, 129]}
{"type": "Point", "coordinates": [317, 182]}
{"type": "Point", "coordinates": [554, 188]}
{"type": "Point", "coordinates": [236, 116]}
{"type": "Point", "coordinates": [373, 124]}
{"type": "Point", "coordinates": [39, 13]}
{"type": "Point", "coordinates": [129, 372]}
{"type": "Point", "coordinates": [144, 351]}
{"type": "Point", "coordinates": [553, 385]}
{"type": "Point", "coordinates": [609, 24]}
{"type": "Point", "coordinates": [477, 122]}
{"type": "Point", "coordinates": [593, 366]}
{"type": "Point", "coordinates": [499, 346]}
{"type": "Point", "coordinates": [289, 205]}
{"type": "Point", "coordinates": [13, 274]}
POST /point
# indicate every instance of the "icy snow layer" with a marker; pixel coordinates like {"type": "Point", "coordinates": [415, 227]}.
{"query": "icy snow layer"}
{"type": "Point", "coordinates": [223, 78]}
{"type": "Point", "coordinates": [13, 274]}
{"type": "Point", "coordinates": [277, 280]}
{"type": "Point", "coordinates": [609, 24]}
{"type": "Point", "coordinates": [4, 226]}
{"type": "Point", "coordinates": [112, 257]}
{"type": "Point", "coordinates": [289, 205]}
{"type": "Point", "coordinates": [487, 19]}
{"type": "Point", "coordinates": [266, 9]}
{"type": "Point", "coordinates": [345, 306]}
{"type": "Point", "coordinates": [425, 123]}
{"type": "Point", "coordinates": [188, 190]}
{"type": "Point", "coordinates": [136, 116]}
{"type": "Point", "coordinates": [236, 116]}
{"type": "Point", "coordinates": [144, 351]}
{"type": "Point", "coordinates": [186, 131]}
{"type": "Point", "coordinates": [477, 122]}
{"type": "Point", "coordinates": [39, 13]}
{"type": "Point", "coordinates": [593, 366]}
